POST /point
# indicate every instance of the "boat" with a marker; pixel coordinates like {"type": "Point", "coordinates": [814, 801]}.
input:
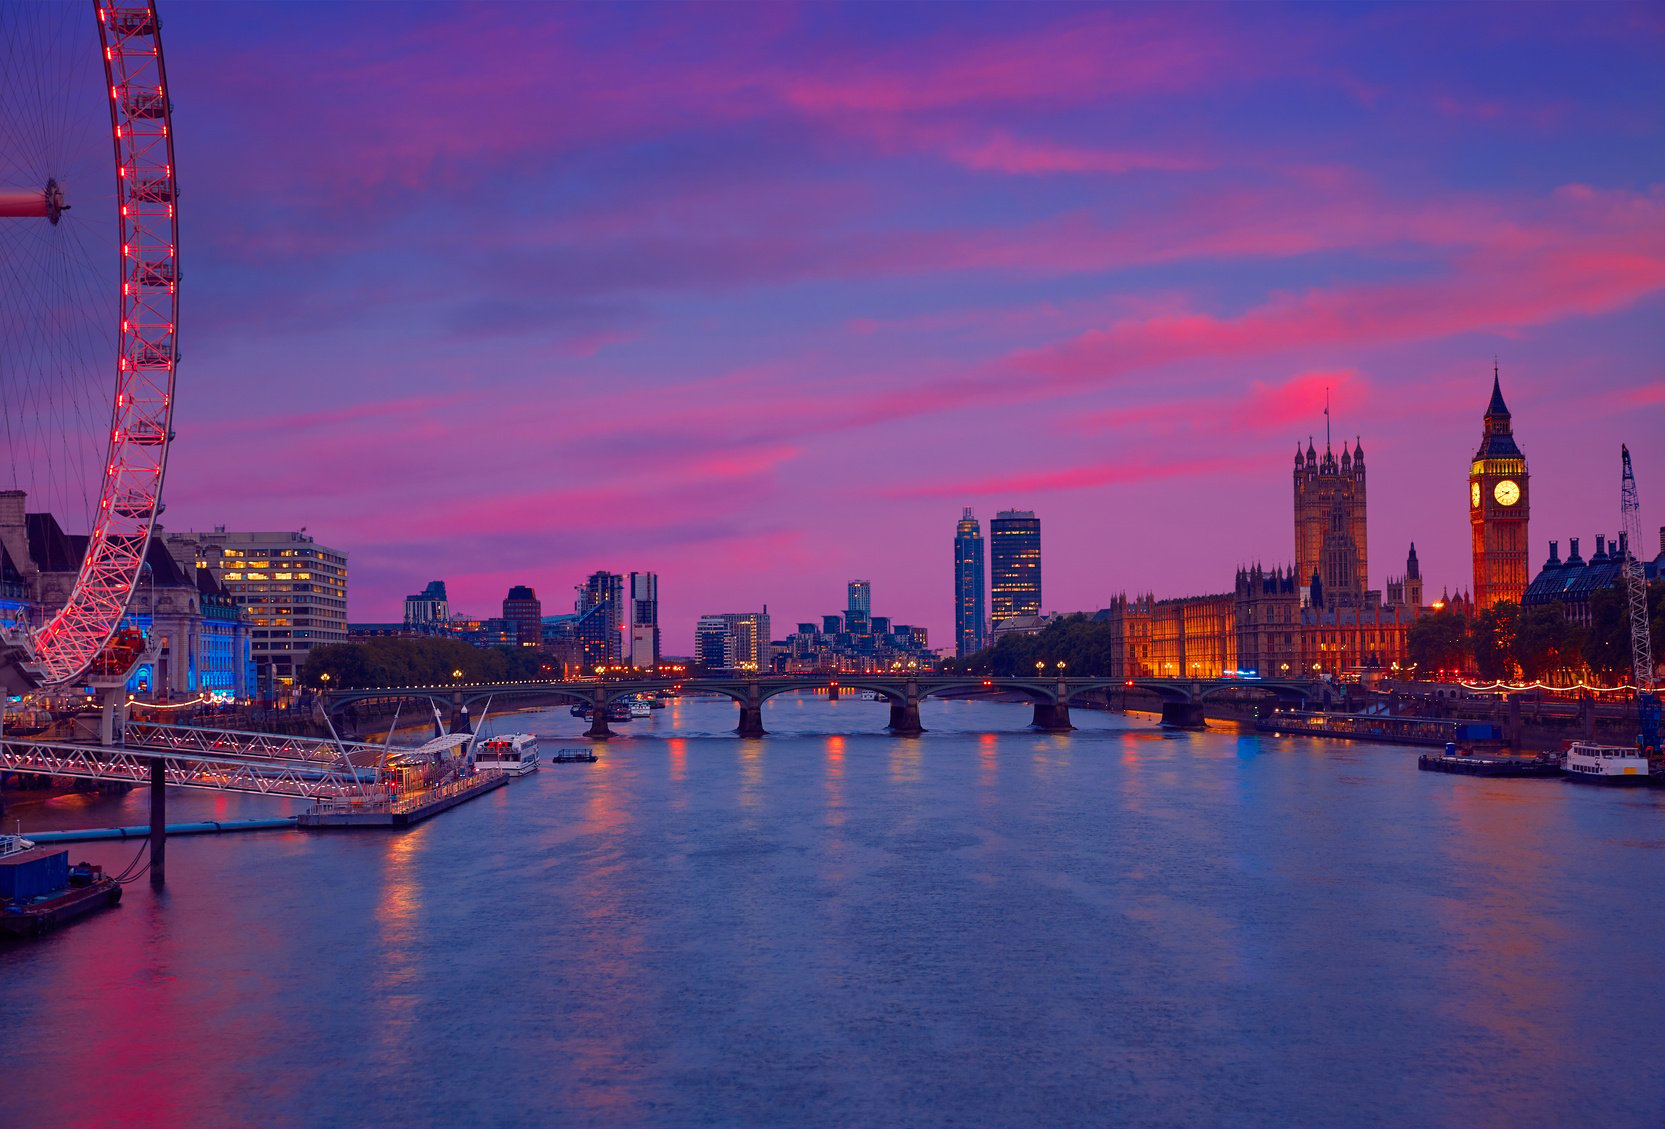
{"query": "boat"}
{"type": "Point", "coordinates": [14, 845]}
{"type": "Point", "coordinates": [639, 708]}
{"type": "Point", "coordinates": [1591, 763]}
{"type": "Point", "coordinates": [513, 753]}
{"type": "Point", "coordinates": [573, 756]}
{"type": "Point", "coordinates": [616, 711]}
{"type": "Point", "coordinates": [40, 891]}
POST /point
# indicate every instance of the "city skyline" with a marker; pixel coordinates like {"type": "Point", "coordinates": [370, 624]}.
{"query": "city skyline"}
{"type": "Point", "coordinates": [1007, 299]}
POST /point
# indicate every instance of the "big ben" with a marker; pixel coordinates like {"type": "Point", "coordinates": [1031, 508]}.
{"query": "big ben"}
{"type": "Point", "coordinates": [1498, 505]}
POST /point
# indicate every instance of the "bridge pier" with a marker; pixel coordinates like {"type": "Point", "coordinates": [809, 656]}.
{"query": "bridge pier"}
{"type": "Point", "coordinates": [158, 822]}
{"type": "Point", "coordinates": [832, 692]}
{"type": "Point", "coordinates": [1183, 715]}
{"type": "Point", "coordinates": [904, 715]}
{"type": "Point", "coordinates": [751, 714]}
{"type": "Point", "coordinates": [751, 722]}
{"type": "Point", "coordinates": [598, 718]}
{"type": "Point", "coordinates": [1052, 717]}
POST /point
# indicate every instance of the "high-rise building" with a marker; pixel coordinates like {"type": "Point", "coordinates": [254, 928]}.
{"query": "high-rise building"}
{"type": "Point", "coordinates": [642, 642]}
{"type": "Point", "coordinates": [733, 640]}
{"type": "Point", "coordinates": [970, 609]}
{"type": "Point", "coordinates": [429, 607]}
{"type": "Point", "coordinates": [523, 612]}
{"type": "Point", "coordinates": [859, 609]}
{"type": "Point", "coordinates": [1330, 538]}
{"type": "Point", "coordinates": [1014, 564]}
{"type": "Point", "coordinates": [1498, 507]}
{"type": "Point", "coordinates": [292, 590]}
{"type": "Point", "coordinates": [601, 618]}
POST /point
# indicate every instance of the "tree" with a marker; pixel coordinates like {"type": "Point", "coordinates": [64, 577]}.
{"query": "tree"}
{"type": "Point", "coordinates": [404, 661]}
{"type": "Point", "coordinates": [1492, 634]}
{"type": "Point", "coordinates": [1547, 643]}
{"type": "Point", "coordinates": [1607, 643]}
{"type": "Point", "coordinates": [1085, 648]}
{"type": "Point", "coordinates": [1439, 641]}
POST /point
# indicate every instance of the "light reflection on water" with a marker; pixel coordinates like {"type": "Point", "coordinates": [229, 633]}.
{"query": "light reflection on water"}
{"type": "Point", "coordinates": [982, 925]}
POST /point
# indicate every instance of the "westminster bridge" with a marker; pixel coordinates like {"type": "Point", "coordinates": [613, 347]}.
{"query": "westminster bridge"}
{"type": "Point", "coordinates": [1182, 699]}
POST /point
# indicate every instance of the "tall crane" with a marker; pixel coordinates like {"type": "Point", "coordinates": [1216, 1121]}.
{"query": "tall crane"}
{"type": "Point", "coordinates": [1636, 585]}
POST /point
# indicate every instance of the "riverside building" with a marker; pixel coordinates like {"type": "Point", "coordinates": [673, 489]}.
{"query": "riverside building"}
{"type": "Point", "coordinates": [292, 590]}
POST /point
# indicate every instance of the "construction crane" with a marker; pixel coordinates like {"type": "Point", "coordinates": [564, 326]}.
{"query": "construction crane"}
{"type": "Point", "coordinates": [1636, 586]}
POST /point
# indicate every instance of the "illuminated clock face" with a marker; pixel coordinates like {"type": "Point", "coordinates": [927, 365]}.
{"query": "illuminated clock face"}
{"type": "Point", "coordinates": [1506, 493]}
{"type": "Point", "coordinates": [1474, 494]}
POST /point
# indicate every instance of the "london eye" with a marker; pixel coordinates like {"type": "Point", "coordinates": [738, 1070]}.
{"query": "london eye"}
{"type": "Point", "coordinates": [89, 299]}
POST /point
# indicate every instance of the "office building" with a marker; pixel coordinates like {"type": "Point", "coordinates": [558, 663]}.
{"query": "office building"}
{"type": "Point", "coordinates": [642, 642]}
{"type": "Point", "coordinates": [523, 612]}
{"type": "Point", "coordinates": [859, 606]}
{"type": "Point", "coordinates": [970, 586]}
{"type": "Point", "coordinates": [428, 609]}
{"type": "Point", "coordinates": [1014, 564]}
{"type": "Point", "coordinates": [292, 591]}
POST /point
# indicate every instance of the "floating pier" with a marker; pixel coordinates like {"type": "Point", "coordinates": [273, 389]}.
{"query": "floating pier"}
{"type": "Point", "coordinates": [405, 811]}
{"type": "Point", "coordinates": [1473, 764]}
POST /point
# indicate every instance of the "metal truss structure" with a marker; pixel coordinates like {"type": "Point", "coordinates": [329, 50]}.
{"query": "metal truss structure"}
{"type": "Point", "coordinates": [231, 742]}
{"type": "Point", "coordinates": [141, 424]}
{"type": "Point", "coordinates": [225, 772]}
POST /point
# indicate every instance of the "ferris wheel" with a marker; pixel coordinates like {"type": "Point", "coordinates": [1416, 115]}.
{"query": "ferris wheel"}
{"type": "Point", "coordinates": [89, 295]}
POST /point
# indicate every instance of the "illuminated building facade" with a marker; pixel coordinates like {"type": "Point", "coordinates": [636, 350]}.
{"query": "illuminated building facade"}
{"type": "Point", "coordinates": [292, 590]}
{"type": "Point", "coordinates": [1014, 564]}
{"type": "Point", "coordinates": [970, 607]}
{"type": "Point", "coordinates": [733, 641]}
{"type": "Point", "coordinates": [1499, 506]}
{"type": "Point", "coordinates": [859, 607]}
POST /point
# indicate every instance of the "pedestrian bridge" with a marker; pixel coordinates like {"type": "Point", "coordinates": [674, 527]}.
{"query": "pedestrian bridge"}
{"type": "Point", "coordinates": [1182, 699]}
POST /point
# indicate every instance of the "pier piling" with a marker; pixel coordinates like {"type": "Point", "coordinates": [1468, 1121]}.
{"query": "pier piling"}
{"type": "Point", "coordinates": [158, 822]}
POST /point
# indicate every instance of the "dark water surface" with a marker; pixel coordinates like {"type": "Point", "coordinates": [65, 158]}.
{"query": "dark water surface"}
{"type": "Point", "coordinates": [983, 926]}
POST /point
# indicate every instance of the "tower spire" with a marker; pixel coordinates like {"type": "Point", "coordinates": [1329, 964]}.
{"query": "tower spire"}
{"type": "Point", "coordinates": [1326, 417]}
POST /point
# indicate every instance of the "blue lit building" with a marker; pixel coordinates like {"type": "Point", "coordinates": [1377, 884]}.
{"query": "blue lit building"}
{"type": "Point", "coordinates": [970, 588]}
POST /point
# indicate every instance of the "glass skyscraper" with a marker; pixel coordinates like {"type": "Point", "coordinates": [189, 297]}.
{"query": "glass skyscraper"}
{"type": "Point", "coordinates": [970, 611]}
{"type": "Point", "coordinates": [1014, 564]}
{"type": "Point", "coordinates": [859, 611]}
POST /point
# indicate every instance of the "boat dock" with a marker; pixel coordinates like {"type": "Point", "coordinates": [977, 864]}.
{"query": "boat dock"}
{"type": "Point", "coordinates": [1475, 764]}
{"type": "Point", "coordinates": [405, 811]}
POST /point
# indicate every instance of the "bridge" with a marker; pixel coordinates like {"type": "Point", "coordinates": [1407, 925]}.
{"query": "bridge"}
{"type": "Point", "coordinates": [1182, 700]}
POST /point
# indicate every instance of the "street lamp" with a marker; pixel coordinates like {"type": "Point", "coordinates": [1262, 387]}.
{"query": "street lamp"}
{"type": "Point", "coordinates": [1060, 665]}
{"type": "Point", "coordinates": [325, 679]}
{"type": "Point", "coordinates": [1039, 667]}
{"type": "Point", "coordinates": [457, 674]}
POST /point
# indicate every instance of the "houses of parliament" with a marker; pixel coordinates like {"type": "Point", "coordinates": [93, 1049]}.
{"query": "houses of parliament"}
{"type": "Point", "coordinates": [1319, 615]}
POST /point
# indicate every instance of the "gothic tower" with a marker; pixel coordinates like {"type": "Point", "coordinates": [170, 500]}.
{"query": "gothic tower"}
{"type": "Point", "coordinates": [1330, 521]}
{"type": "Point", "coordinates": [1498, 506]}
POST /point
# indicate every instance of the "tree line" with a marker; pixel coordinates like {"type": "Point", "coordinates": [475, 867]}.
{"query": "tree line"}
{"type": "Point", "coordinates": [1539, 643]}
{"type": "Point", "coordinates": [404, 661]}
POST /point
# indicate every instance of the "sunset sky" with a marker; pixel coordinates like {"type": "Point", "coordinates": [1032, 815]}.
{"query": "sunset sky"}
{"type": "Point", "coordinates": [758, 297]}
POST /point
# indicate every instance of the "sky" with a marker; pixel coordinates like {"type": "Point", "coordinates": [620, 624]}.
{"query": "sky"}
{"type": "Point", "coordinates": [758, 297]}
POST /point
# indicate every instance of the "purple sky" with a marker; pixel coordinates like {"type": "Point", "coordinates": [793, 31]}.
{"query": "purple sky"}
{"type": "Point", "coordinates": [758, 297]}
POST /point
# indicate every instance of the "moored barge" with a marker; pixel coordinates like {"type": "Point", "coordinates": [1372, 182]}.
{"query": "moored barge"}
{"type": "Point", "coordinates": [40, 891]}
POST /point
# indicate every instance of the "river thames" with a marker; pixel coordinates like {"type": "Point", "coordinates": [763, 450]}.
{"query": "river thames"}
{"type": "Point", "coordinates": [983, 926]}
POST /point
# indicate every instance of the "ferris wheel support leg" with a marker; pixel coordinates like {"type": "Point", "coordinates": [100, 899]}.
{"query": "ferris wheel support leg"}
{"type": "Point", "coordinates": [110, 703]}
{"type": "Point", "coordinates": [158, 822]}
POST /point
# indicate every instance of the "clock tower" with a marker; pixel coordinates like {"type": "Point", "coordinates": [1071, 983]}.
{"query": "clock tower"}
{"type": "Point", "coordinates": [1498, 505]}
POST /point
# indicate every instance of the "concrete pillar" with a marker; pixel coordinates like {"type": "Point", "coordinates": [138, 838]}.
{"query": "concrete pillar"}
{"type": "Point", "coordinates": [598, 720]}
{"type": "Point", "coordinates": [751, 714]}
{"type": "Point", "coordinates": [158, 822]}
{"type": "Point", "coordinates": [1587, 716]}
{"type": "Point", "coordinates": [1513, 732]}
{"type": "Point", "coordinates": [1183, 715]}
{"type": "Point", "coordinates": [832, 692]}
{"type": "Point", "coordinates": [1051, 717]}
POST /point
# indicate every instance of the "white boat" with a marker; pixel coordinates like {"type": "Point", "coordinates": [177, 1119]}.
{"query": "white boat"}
{"type": "Point", "coordinates": [1605, 764]}
{"type": "Point", "coordinates": [513, 753]}
{"type": "Point", "coordinates": [639, 708]}
{"type": "Point", "coordinates": [14, 845]}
